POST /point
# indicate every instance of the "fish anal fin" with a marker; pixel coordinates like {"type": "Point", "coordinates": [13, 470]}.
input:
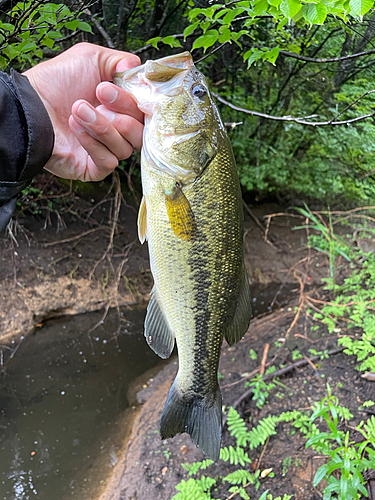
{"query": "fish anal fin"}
{"type": "Point", "coordinates": [200, 418]}
{"type": "Point", "coordinates": [180, 214]}
{"type": "Point", "coordinates": [241, 319]}
{"type": "Point", "coordinates": [158, 335]}
{"type": "Point", "coordinates": [142, 221]}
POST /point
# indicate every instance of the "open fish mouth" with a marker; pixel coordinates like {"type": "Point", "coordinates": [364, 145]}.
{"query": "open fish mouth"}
{"type": "Point", "coordinates": [162, 70]}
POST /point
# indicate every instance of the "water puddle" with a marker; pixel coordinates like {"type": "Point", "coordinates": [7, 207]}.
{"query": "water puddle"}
{"type": "Point", "coordinates": [62, 401]}
{"type": "Point", "coordinates": [63, 396]}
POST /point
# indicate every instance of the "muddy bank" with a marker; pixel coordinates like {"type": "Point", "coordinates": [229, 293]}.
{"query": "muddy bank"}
{"type": "Point", "coordinates": [49, 268]}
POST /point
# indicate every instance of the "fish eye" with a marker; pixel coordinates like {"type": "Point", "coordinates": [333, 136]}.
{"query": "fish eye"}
{"type": "Point", "coordinates": [198, 90]}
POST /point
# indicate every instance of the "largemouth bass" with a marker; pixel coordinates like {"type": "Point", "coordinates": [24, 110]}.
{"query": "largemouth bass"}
{"type": "Point", "coordinates": [191, 215]}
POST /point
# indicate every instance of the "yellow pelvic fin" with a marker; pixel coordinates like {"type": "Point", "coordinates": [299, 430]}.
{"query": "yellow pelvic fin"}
{"type": "Point", "coordinates": [142, 221]}
{"type": "Point", "coordinates": [180, 214]}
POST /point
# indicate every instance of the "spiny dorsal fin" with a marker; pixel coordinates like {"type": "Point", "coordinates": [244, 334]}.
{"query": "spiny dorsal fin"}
{"type": "Point", "coordinates": [180, 214]}
{"type": "Point", "coordinates": [241, 319]}
{"type": "Point", "coordinates": [158, 335]}
{"type": "Point", "coordinates": [142, 221]}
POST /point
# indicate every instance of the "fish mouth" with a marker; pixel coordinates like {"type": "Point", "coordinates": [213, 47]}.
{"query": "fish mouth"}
{"type": "Point", "coordinates": [162, 70]}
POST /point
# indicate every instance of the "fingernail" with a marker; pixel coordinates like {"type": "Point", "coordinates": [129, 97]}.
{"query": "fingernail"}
{"type": "Point", "coordinates": [110, 115]}
{"type": "Point", "coordinates": [86, 114]}
{"type": "Point", "coordinates": [108, 93]}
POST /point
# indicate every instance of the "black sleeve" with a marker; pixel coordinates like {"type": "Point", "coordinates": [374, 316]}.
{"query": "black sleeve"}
{"type": "Point", "coordinates": [26, 139]}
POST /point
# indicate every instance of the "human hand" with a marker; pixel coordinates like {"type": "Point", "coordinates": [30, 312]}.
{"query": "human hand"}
{"type": "Point", "coordinates": [90, 138]}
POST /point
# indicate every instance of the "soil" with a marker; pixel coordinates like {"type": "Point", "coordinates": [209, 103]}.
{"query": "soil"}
{"type": "Point", "coordinates": [59, 264]}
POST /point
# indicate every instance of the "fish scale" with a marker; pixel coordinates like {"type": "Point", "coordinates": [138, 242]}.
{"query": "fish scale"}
{"type": "Point", "coordinates": [193, 221]}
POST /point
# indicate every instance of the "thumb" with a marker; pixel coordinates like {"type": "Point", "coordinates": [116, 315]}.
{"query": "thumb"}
{"type": "Point", "coordinates": [113, 61]}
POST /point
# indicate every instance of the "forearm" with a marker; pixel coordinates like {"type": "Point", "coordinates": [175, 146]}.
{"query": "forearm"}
{"type": "Point", "coordinates": [26, 139]}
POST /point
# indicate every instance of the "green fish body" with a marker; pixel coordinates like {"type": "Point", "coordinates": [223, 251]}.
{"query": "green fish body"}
{"type": "Point", "coordinates": [191, 215]}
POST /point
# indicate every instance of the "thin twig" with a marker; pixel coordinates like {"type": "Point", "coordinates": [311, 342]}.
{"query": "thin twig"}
{"type": "Point", "coordinates": [73, 238]}
{"type": "Point", "coordinates": [286, 369]}
{"type": "Point", "coordinates": [264, 359]}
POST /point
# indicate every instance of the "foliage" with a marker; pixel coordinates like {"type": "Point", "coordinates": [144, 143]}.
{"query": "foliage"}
{"type": "Point", "coordinates": [354, 298]}
{"type": "Point", "coordinates": [347, 459]}
{"type": "Point", "coordinates": [350, 458]}
{"type": "Point", "coordinates": [227, 23]}
{"type": "Point", "coordinates": [326, 241]}
{"type": "Point", "coordinates": [30, 28]}
{"type": "Point", "coordinates": [260, 389]}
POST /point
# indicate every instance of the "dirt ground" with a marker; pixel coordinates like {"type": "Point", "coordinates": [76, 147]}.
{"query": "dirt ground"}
{"type": "Point", "coordinates": [62, 262]}
{"type": "Point", "coordinates": [152, 468]}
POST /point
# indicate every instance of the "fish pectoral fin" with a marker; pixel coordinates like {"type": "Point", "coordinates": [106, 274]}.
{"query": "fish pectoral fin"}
{"type": "Point", "coordinates": [199, 417]}
{"type": "Point", "coordinates": [157, 332]}
{"type": "Point", "coordinates": [241, 319]}
{"type": "Point", "coordinates": [180, 214]}
{"type": "Point", "coordinates": [142, 221]}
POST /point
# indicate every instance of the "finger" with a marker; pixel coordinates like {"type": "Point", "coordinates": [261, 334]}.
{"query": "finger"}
{"type": "Point", "coordinates": [100, 129]}
{"type": "Point", "coordinates": [101, 162]}
{"type": "Point", "coordinates": [127, 126]}
{"type": "Point", "coordinates": [118, 100]}
{"type": "Point", "coordinates": [112, 61]}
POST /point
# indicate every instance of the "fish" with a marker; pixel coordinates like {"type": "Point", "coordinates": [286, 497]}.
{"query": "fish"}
{"type": "Point", "coordinates": [191, 215]}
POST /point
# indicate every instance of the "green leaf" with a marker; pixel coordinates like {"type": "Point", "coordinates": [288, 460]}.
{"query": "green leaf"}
{"type": "Point", "coordinates": [274, 3]}
{"type": "Point", "coordinates": [72, 25]}
{"type": "Point", "coordinates": [154, 41]}
{"type": "Point", "coordinates": [225, 35]}
{"type": "Point", "coordinates": [231, 15]}
{"type": "Point", "coordinates": [54, 34]}
{"type": "Point", "coordinates": [171, 41]}
{"type": "Point", "coordinates": [189, 29]}
{"type": "Point", "coordinates": [206, 40]}
{"type": "Point", "coordinates": [84, 27]}
{"type": "Point", "coordinates": [314, 13]}
{"type": "Point", "coordinates": [48, 42]}
{"type": "Point", "coordinates": [252, 55]}
{"type": "Point", "coordinates": [7, 27]}
{"type": "Point", "coordinates": [11, 52]}
{"type": "Point", "coordinates": [360, 7]}
{"type": "Point", "coordinates": [290, 7]}
{"type": "Point", "coordinates": [260, 7]}
{"type": "Point", "coordinates": [272, 55]}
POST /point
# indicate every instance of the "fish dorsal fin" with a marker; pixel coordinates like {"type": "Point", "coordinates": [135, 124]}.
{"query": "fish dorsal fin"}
{"type": "Point", "coordinates": [158, 335]}
{"type": "Point", "coordinates": [180, 214]}
{"type": "Point", "coordinates": [241, 319]}
{"type": "Point", "coordinates": [142, 221]}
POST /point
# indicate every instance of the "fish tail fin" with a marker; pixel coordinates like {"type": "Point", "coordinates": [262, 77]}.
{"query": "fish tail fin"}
{"type": "Point", "coordinates": [198, 416]}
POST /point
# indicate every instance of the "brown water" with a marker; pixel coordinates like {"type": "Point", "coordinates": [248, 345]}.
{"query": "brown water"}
{"type": "Point", "coordinates": [63, 396]}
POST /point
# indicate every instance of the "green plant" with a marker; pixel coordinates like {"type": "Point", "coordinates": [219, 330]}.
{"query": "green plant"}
{"type": "Point", "coordinates": [326, 241]}
{"type": "Point", "coordinates": [349, 458]}
{"type": "Point", "coordinates": [354, 298]}
{"type": "Point", "coordinates": [240, 478]}
{"type": "Point", "coordinates": [30, 28]}
{"type": "Point", "coordinates": [218, 23]}
{"type": "Point", "coordinates": [260, 389]}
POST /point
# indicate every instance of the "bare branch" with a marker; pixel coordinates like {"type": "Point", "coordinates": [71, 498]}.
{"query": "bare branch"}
{"type": "Point", "coordinates": [100, 28]}
{"type": "Point", "coordinates": [326, 60]}
{"type": "Point", "coordinates": [302, 120]}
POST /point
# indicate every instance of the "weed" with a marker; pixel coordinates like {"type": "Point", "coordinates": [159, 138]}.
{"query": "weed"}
{"type": "Point", "coordinates": [347, 460]}
{"type": "Point", "coordinates": [260, 389]}
{"type": "Point", "coordinates": [253, 355]}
